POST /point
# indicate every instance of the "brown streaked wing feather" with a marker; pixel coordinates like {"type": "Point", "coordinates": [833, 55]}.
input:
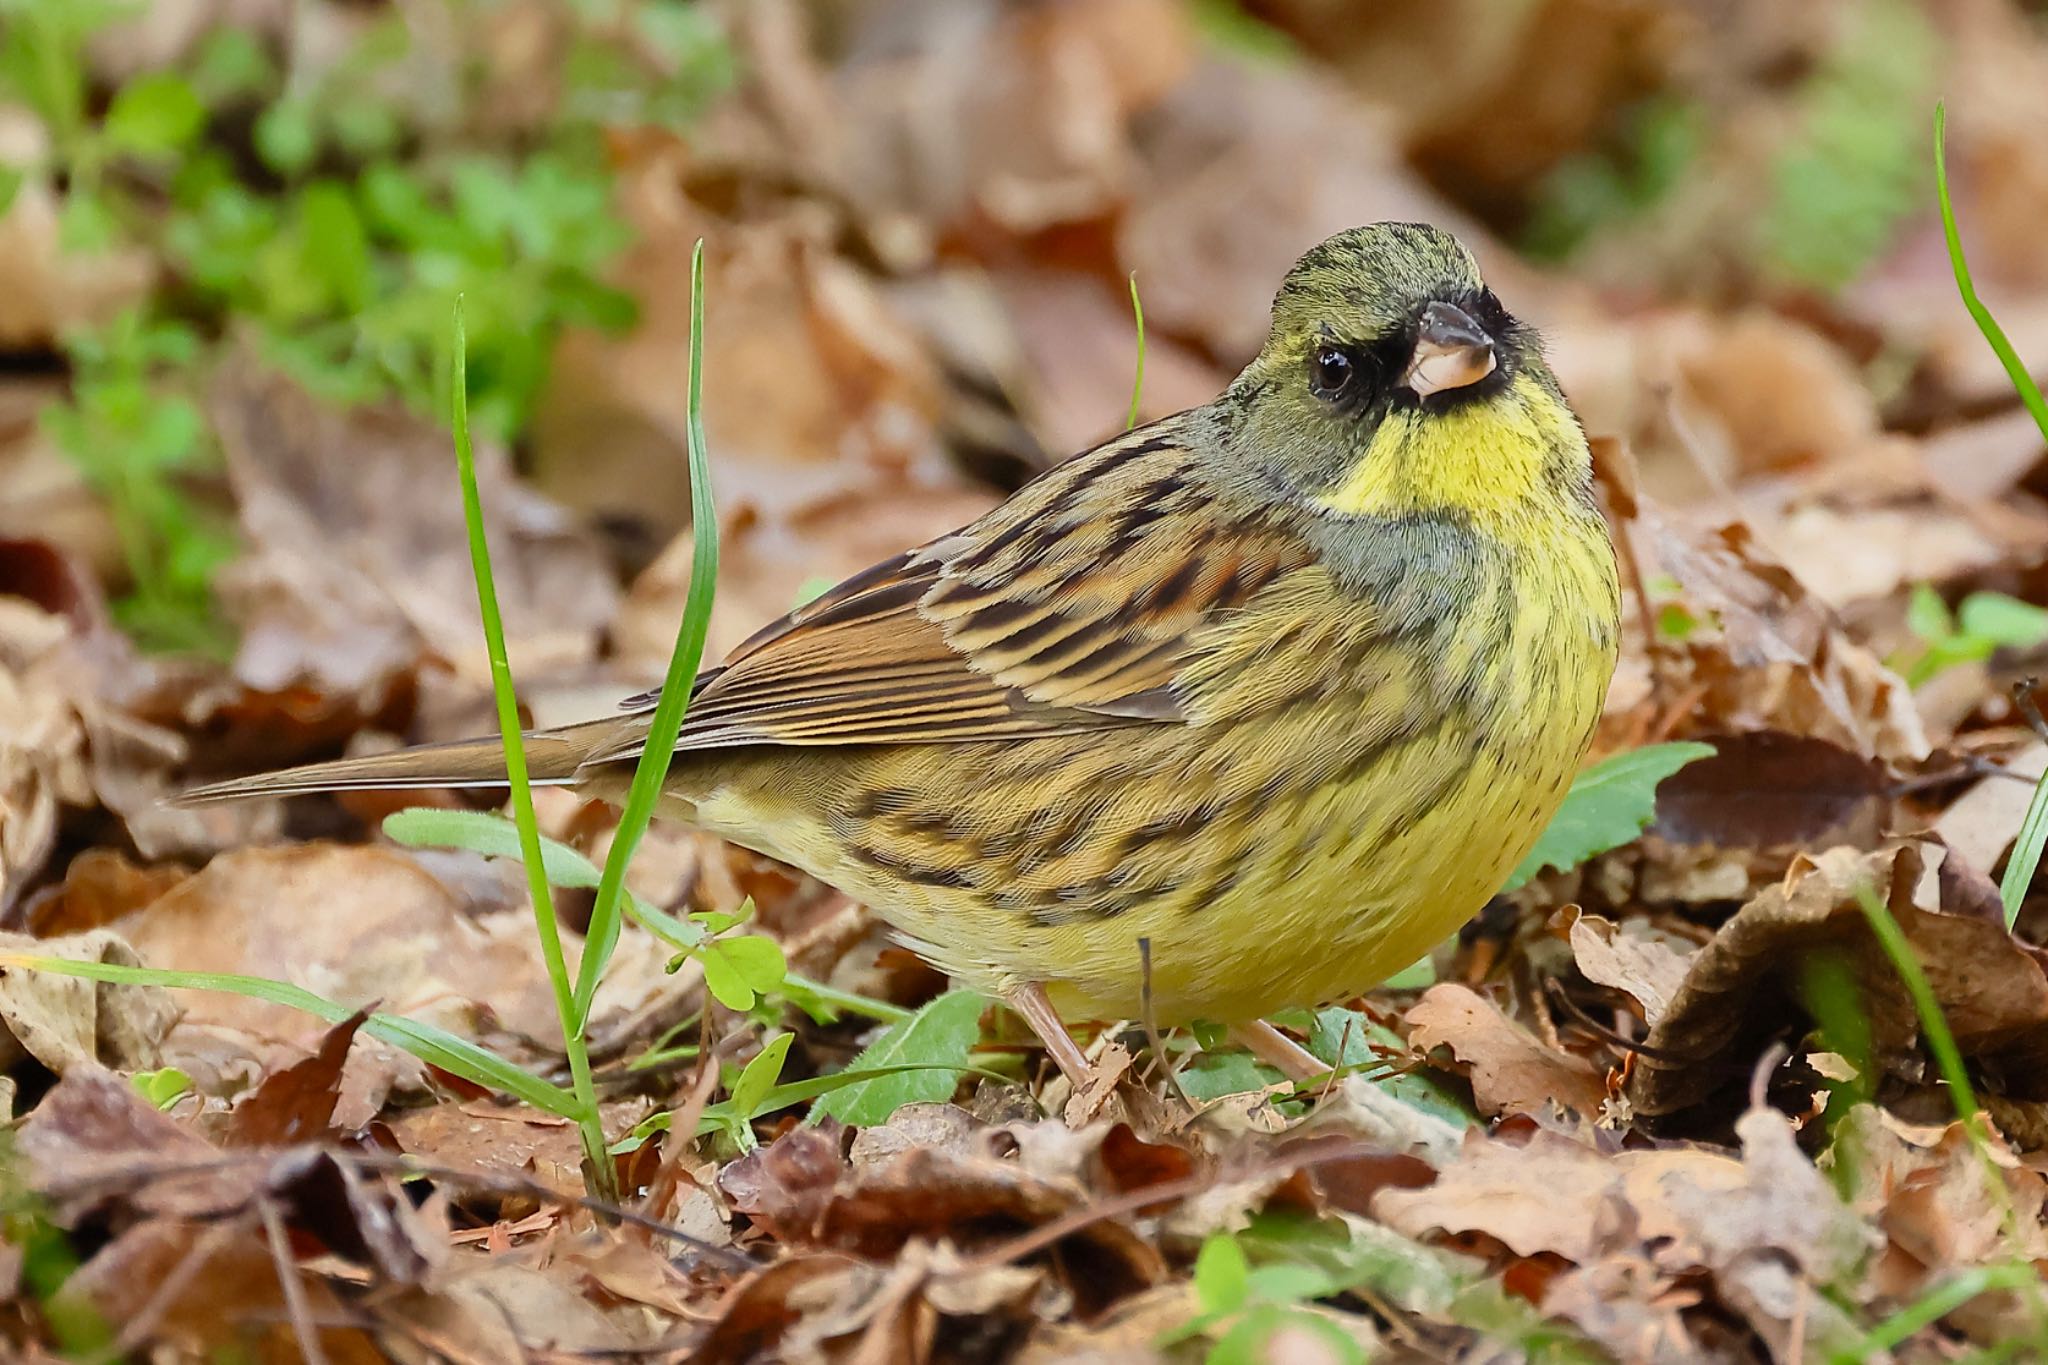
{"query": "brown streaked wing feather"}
{"type": "Point", "coordinates": [1072, 606]}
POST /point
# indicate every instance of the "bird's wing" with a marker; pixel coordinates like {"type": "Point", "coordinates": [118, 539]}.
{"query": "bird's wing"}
{"type": "Point", "coordinates": [1072, 606]}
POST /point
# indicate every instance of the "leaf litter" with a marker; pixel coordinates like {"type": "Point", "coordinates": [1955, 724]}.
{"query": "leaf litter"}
{"type": "Point", "coordinates": [1668, 1099]}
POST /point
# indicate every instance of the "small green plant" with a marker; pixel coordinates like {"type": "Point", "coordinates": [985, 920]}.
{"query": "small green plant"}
{"type": "Point", "coordinates": [140, 442]}
{"type": "Point", "coordinates": [1851, 173]}
{"type": "Point", "coordinates": [330, 216]}
{"type": "Point", "coordinates": [1241, 1307]}
{"type": "Point", "coordinates": [451, 1053]}
{"type": "Point", "coordinates": [933, 1045]}
{"type": "Point", "coordinates": [1658, 143]}
{"type": "Point", "coordinates": [163, 1087]}
{"type": "Point", "coordinates": [1981, 624]}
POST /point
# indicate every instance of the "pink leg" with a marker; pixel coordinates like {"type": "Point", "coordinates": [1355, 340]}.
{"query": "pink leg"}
{"type": "Point", "coordinates": [1037, 1011]}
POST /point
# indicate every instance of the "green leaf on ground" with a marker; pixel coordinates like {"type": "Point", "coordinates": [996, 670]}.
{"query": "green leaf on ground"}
{"type": "Point", "coordinates": [738, 971]}
{"type": "Point", "coordinates": [161, 1087]}
{"type": "Point", "coordinates": [758, 1078]}
{"type": "Point", "coordinates": [941, 1034]}
{"type": "Point", "coordinates": [154, 115]}
{"type": "Point", "coordinates": [1212, 1075]}
{"type": "Point", "coordinates": [1609, 804]}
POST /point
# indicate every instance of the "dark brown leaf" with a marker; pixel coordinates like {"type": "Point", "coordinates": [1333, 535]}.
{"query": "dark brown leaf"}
{"type": "Point", "coordinates": [296, 1104]}
{"type": "Point", "coordinates": [1768, 789]}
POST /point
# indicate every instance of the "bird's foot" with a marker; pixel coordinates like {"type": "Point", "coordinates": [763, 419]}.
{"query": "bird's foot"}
{"type": "Point", "coordinates": [1031, 1005]}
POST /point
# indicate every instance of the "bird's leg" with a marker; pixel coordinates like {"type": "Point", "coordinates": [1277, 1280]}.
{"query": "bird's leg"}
{"type": "Point", "coordinates": [1037, 1011]}
{"type": "Point", "coordinates": [1278, 1051]}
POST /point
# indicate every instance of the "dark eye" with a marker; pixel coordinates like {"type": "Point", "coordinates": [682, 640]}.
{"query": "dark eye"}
{"type": "Point", "coordinates": [1331, 373]}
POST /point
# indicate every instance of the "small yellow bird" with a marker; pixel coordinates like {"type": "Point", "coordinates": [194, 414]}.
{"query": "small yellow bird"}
{"type": "Point", "coordinates": [1283, 685]}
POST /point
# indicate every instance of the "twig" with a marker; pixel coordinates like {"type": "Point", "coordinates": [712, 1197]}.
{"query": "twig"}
{"type": "Point", "coordinates": [400, 1164]}
{"type": "Point", "coordinates": [684, 1125]}
{"type": "Point", "coordinates": [1562, 998]}
{"type": "Point", "coordinates": [2023, 698]}
{"type": "Point", "coordinates": [1039, 1238]}
{"type": "Point", "coordinates": [171, 1286]}
{"type": "Point", "coordinates": [295, 1306]}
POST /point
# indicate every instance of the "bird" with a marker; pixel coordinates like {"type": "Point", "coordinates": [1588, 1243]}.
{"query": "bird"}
{"type": "Point", "coordinates": [1240, 710]}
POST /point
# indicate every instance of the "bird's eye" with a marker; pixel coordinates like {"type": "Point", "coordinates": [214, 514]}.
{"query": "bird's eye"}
{"type": "Point", "coordinates": [1331, 373]}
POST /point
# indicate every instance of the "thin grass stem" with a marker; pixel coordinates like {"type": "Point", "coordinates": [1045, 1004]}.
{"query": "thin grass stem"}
{"type": "Point", "coordinates": [667, 721]}
{"type": "Point", "coordinates": [1137, 383]}
{"type": "Point", "coordinates": [2033, 833]}
{"type": "Point", "coordinates": [599, 1171]}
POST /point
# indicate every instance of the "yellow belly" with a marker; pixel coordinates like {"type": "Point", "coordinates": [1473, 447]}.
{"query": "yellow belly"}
{"type": "Point", "coordinates": [1313, 897]}
{"type": "Point", "coordinates": [1287, 858]}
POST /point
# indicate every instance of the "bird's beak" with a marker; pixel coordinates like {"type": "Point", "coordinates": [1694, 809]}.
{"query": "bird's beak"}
{"type": "Point", "coordinates": [1451, 351]}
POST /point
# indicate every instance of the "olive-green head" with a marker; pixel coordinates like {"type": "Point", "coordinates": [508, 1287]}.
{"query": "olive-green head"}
{"type": "Point", "coordinates": [1394, 381]}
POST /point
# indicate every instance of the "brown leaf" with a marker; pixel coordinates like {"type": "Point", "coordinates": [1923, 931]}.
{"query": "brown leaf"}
{"type": "Point", "coordinates": [1774, 657]}
{"type": "Point", "coordinates": [798, 1187]}
{"type": "Point", "coordinates": [94, 1142]}
{"type": "Point", "coordinates": [100, 886]}
{"type": "Point", "coordinates": [296, 1104]}
{"type": "Point", "coordinates": [66, 1022]}
{"type": "Point", "coordinates": [1981, 823]}
{"type": "Point", "coordinates": [358, 564]}
{"type": "Point", "coordinates": [492, 1308]}
{"type": "Point", "coordinates": [356, 924]}
{"type": "Point", "coordinates": [755, 1313]}
{"type": "Point", "coordinates": [1767, 789]}
{"type": "Point", "coordinates": [1692, 1208]}
{"type": "Point", "coordinates": [94, 1139]}
{"type": "Point", "coordinates": [494, 1139]}
{"type": "Point", "coordinates": [214, 1289]}
{"type": "Point", "coordinates": [1511, 1071]}
{"type": "Point", "coordinates": [1745, 985]}
{"type": "Point", "coordinates": [1941, 1204]}
{"type": "Point", "coordinates": [1643, 964]}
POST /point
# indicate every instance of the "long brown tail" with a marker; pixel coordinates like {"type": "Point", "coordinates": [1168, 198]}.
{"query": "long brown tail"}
{"type": "Point", "coordinates": [552, 759]}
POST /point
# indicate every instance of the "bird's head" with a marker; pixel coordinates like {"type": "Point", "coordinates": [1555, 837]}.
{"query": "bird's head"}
{"type": "Point", "coordinates": [1394, 382]}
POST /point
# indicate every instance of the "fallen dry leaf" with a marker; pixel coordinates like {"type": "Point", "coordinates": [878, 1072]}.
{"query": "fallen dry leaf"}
{"type": "Point", "coordinates": [67, 1022]}
{"type": "Point", "coordinates": [1770, 790]}
{"type": "Point", "coordinates": [1746, 986]}
{"type": "Point", "coordinates": [1773, 657]}
{"type": "Point", "coordinates": [1639, 962]}
{"type": "Point", "coordinates": [358, 925]}
{"type": "Point", "coordinates": [296, 1104]}
{"type": "Point", "coordinates": [802, 1190]}
{"type": "Point", "coordinates": [358, 567]}
{"type": "Point", "coordinates": [1690, 1209]}
{"type": "Point", "coordinates": [1511, 1070]}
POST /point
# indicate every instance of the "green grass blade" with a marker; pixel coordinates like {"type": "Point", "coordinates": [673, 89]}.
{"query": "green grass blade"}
{"type": "Point", "coordinates": [1941, 1040]}
{"type": "Point", "coordinates": [1932, 1306]}
{"type": "Point", "coordinates": [2022, 380]}
{"type": "Point", "coordinates": [1138, 383]}
{"type": "Point", "coordinates": [2033, 835]}
{"type": "Point", "coordinates": [667, 721]}
{"type": "Point", "coordinates": [516, 775]}
{"type": "Point", "coordinates": [435, 1046]}
{"type": "Point", "coordinates": [2026, 854]}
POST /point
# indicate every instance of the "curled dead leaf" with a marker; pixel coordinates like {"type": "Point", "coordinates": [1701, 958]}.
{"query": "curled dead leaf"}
{"type": "Point", "coordinates": [1746, 985]}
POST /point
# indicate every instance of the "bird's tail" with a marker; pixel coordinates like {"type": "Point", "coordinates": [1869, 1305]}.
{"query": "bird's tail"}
{"type": "Point", "coordinates": [552, 760]}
